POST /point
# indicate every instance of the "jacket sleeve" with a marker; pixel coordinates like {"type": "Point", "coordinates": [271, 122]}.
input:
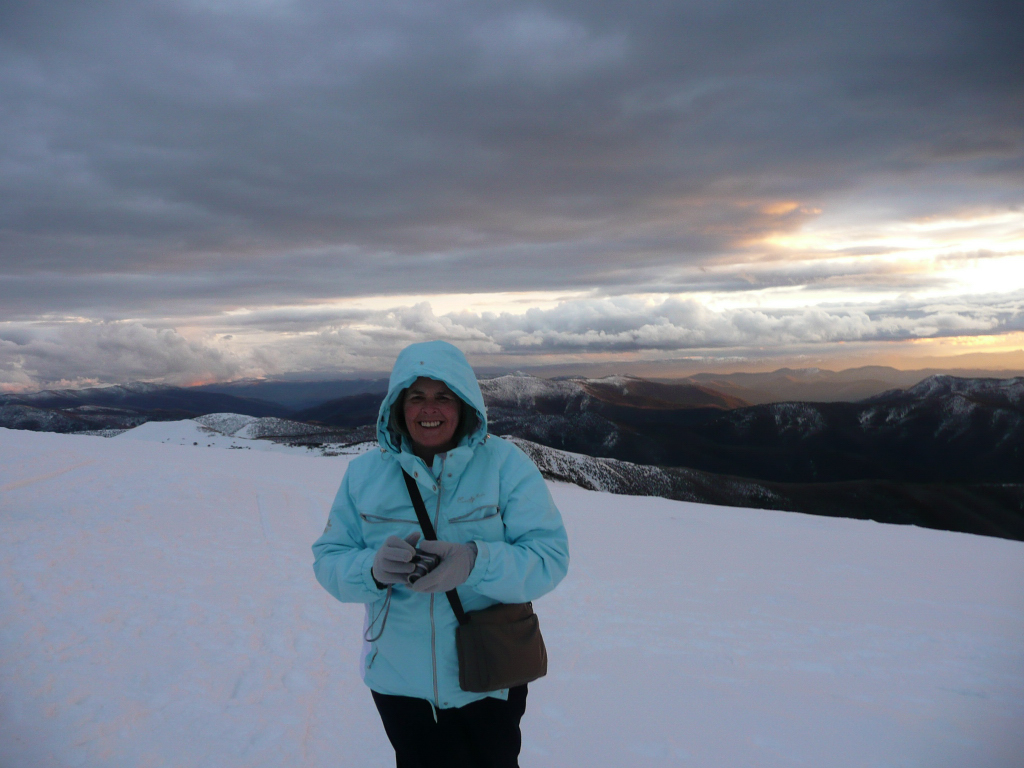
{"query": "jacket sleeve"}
{"type": "Point", "coordinates": [534, 557]}
{"type": "Point", "coordinates": [342, 561]}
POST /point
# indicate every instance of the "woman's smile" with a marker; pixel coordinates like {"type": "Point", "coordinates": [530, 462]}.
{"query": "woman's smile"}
{"type": "Point", "coordinates": [431, 412]}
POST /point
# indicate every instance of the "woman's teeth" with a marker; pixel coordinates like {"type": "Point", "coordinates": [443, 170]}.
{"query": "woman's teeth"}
{"type": "Point", "coordinates": [430, 424]}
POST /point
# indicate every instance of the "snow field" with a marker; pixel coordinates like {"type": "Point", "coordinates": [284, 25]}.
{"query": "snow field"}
{"type": "Point", "coordinates": [157, 608]}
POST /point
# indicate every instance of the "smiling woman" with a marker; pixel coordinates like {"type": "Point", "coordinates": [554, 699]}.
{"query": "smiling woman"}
{"type": "Point", "coordinates": [431, 415]}
{"type": "Point", "coordinates": [499, 539]}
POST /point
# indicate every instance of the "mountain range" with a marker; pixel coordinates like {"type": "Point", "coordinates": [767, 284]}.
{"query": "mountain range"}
{"type": "Point", "coordinates": [986, 509]}
{"type": "Point", "coordinates": [819, 385]}
{"type": "Point", "coordinates": [944, 429]}
{"type": "Point", "coordinates": [121, 407]}
{"type": "Point", "coordinates": [297, 395]}
{"type": "Point", "coordinates": [947, 452]}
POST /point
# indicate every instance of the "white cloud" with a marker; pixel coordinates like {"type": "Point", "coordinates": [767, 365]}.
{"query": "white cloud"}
{"type": "Point", "coordinates": [322, 339]}
{"type": "Point", "coordinates": [628, 324]}
{"type": "Point", "coordinates": [77, 353]}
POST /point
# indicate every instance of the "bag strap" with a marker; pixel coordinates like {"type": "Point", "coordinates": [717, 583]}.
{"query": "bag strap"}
{"type": "Point", "coordinates": [431, 535]}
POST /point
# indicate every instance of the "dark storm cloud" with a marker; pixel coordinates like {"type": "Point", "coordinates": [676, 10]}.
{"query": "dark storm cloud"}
{"type": "Point", "coordinates": [244, 152]}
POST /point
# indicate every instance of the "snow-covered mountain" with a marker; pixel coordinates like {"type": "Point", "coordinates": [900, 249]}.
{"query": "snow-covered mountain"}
{"type": "Point", "coordinates": [15, 415]}
{"type": "Point", "coordinates": [823, 386]}
{"type": "Point", "coordinates": [157, 607]}
{"type": "Point", "coordinates": [992, 509]}
{"type": "Point", "coordinates": [120, 406]}
{"type": "Point", "coordinates": [522, 391]}
{"type": "Point", "coordinates": [986, 509]}
{"type": "Point", "coordinates": [252, 427]}
{"type": "Point", "coordinates": [88, 395]}
{"type": "Point", "coordinates": [1002, 393]}
{"type": "Point", "coordinates": [942, 430]}
{"type": "Point", "coordinates": [240, 432]}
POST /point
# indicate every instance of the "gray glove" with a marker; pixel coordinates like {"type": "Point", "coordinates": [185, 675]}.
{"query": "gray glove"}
{"type": "Point", "coordinates": [456, 562]}
{"type": "Point", "coordinates": [392, 563]}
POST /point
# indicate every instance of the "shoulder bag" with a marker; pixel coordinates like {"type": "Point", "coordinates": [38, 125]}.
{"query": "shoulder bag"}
{"type": "Point", "coordinates": [498, 647]}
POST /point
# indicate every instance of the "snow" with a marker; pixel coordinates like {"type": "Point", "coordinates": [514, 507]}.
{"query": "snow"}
{"type": "Point", "coordinates": [235, 431]}
{"type": "Point", "coordinates": [622, 383]}
{"type": "Point", "coordinates": [157, 608]}
{"type": "Point", "coordinates": [226, 423]}
{"type": "Point", "coordinates": [270, 426]}
{"type": "Point", "coordinates": [191, 432]}
{"type": "Point", "coordinates": [594, 473]}
{"type": "Point", "coordinates": [253, 428]}
{"type": "Point", "coordinates": [521, 390]}
{"type": "Point", "coordinates": [801, 417]}
{"type": "Point", "coordinates": [1010, 391]}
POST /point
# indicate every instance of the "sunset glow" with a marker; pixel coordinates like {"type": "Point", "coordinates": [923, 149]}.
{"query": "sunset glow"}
{"type": "Point", "coordinates": [252, 190]}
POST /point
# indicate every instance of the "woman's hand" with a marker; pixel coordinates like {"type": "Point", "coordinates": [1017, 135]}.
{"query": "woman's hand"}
{"type": "Point", "coordinates": [456, 562]}
{"type": "Point", "coordinates": [393, 562]}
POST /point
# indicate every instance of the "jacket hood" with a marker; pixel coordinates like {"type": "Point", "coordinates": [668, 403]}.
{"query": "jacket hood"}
{"type": "Point", "coordinates": [440, 361]}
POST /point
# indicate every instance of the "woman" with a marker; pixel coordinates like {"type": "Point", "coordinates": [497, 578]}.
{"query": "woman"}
{"type": "Point", "coordinates": [500, 539]}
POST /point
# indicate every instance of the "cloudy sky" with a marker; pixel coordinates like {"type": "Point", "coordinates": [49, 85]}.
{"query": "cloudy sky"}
{"type": "Point", "coordinates": [207, 190]}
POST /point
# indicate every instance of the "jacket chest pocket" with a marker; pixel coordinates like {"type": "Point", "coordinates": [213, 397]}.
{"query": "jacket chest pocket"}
{"type": "Point", "coordinates": [383, 519]}
{"type": "Point", "coordinates": [482, 522]}
{"type": "Point", "coordinates": [388, 511]}
{"type": "Point", "coordinates": [476, 515]}
{"type": "Point", "coordinates": [378, 524]}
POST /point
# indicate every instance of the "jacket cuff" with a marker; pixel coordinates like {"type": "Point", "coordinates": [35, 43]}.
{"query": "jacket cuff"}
{"type": "Point", "coordinates": [483, 560]}
{"type": "Point", "coordinates": [366, 568]}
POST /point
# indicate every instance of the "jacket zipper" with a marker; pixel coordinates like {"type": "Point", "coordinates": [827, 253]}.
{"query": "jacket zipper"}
{"type": "Point", "coordinates": [433, 633]}
{"type": "Point", "coordinates": [433, 652]}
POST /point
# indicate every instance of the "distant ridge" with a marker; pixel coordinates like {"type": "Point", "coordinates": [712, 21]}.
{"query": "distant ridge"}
{"type": "Point", "coordinates": [825, 386]}
{"type": "Point", "coordinates": [298, 395]}
{"type": "Point", "coordinates": [518, 393]}
{"type": "Point", "coordinates": [521, 390]}
{"type": "Point", "coordinates": [982, 509]}
{"type": "Point", "coordinates": [943, 429]}
{"type": "Point", "coordinates": [120, 406]}
{"type": "Point", "coordinates": [351, 411]}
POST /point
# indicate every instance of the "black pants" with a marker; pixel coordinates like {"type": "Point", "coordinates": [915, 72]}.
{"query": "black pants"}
{"type": "Point", "coordinates": [484, 734]}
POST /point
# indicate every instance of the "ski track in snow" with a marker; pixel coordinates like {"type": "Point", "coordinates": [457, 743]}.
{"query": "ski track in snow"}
{"type": "Point", "coordinates": [157, 608]}
{"type": "Point", "coordinates": [48, 476]}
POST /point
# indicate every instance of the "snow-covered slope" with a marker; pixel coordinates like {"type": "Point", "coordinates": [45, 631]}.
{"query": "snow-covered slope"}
{"type": "Point", "coordinates": [520, 390]}
{"type": "Point", "coordinates": [157, 607]}
{"type": "Point", "coordinates": [254, 428]}
{"type": "Point", "coordinates": [236, 431]}
{"type": "Point", "coordinates": [523, 391]}
{"type": "Point", "coordinates": [1000, 391]}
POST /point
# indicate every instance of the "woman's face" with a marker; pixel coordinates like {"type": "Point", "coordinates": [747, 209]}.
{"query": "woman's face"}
{"type": "Point", "coordinates": [431, 415]}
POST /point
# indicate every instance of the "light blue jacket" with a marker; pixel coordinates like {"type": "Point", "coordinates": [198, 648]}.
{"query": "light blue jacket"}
{"type": "Point", "coordinates": [485, 490]}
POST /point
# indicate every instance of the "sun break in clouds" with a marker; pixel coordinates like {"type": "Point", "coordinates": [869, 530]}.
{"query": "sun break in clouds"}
{"type": "Point", "coordinates": [201, 191]}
